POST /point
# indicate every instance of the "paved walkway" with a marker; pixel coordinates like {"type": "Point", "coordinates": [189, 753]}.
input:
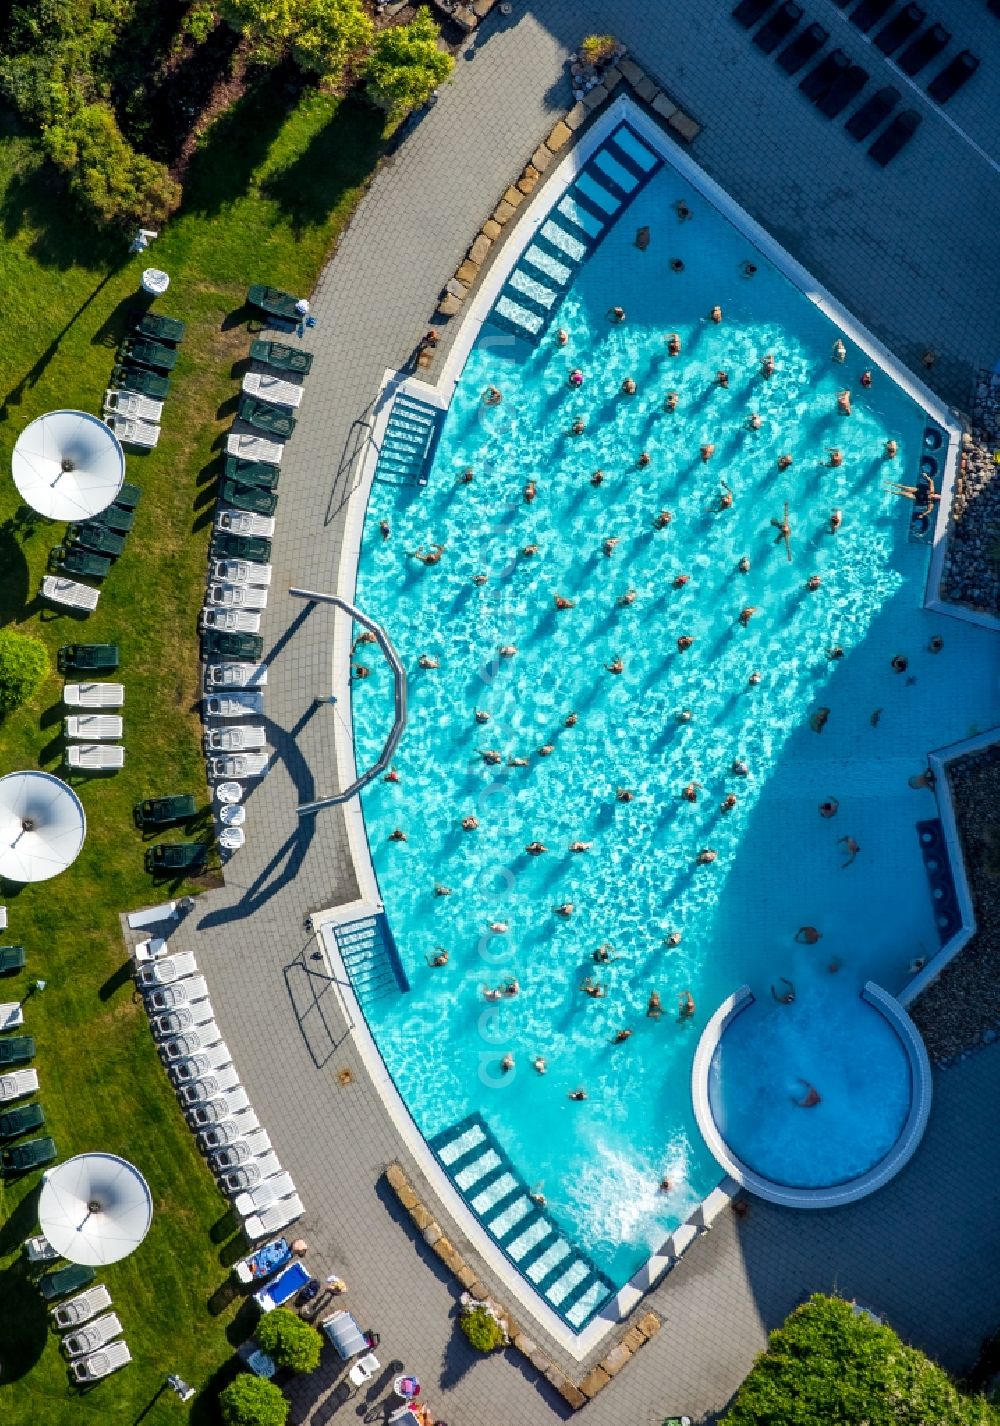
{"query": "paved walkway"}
{"type": "Point", "coordinates": [909, 250]}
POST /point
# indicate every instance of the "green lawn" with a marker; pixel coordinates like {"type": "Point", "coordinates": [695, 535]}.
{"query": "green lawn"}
{"type": "Point", "coordinates": [267, 196]}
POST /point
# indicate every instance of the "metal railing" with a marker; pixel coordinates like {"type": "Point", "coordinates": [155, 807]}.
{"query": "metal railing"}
{"type": "Point", "coordinates": [399, 696]}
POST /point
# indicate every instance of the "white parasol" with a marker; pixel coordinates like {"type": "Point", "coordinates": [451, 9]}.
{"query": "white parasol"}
{"type": "Point", "coordinates": [42, 826]}
{"type": "Point", "coordinates": [95, 1208]}
{"type": "Point", "coordinates": [68, 465]}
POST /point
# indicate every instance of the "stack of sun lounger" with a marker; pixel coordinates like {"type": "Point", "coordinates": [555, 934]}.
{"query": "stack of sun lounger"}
{"type": "Point", "coordinates": [133, 404]}
{"type": "Point", "coordinates": [208, 1087]}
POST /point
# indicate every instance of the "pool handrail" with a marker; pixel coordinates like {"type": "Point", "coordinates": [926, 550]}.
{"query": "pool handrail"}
{"type": "Point", "coordinates": [399, 696]}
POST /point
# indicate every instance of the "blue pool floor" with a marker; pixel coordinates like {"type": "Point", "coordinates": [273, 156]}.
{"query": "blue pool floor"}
{"type": "Point", "coordinates": [600, 1162]}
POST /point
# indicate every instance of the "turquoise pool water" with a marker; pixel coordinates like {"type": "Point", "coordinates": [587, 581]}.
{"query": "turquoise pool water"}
{"type": "Point", "coordinates": [778, 867]}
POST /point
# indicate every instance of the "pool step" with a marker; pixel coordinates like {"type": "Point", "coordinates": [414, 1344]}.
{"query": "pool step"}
{"type": "Point", "coordinates": [371, 959]}
{"type": "Point", "coordinates": [532, 1240]}
{"type": "Point", "coordinates": [410, 438]}
{"type": "Point", "coordinates": [602, 190]}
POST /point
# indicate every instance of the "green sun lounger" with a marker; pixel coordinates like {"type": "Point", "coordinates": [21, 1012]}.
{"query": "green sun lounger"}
{"type": "Point", "coordinates": [281, 358]}
{"type": "Point", "coordinates": [77, 561]}
{"type": "Point", "coordinates": [161, 329]}
{"type": "Point", "coordinates": [96, 537]}
{"type": "Point", "coordinates": [273, 301]}
{"type": "Point", "coordinates": [248, 497]}
{"type": "Point", "coordinates": [264, 416]}
{"type": "Point", "coordinates": [22, 1158]}
{"type": "Point", "coordinates": [128, 497]}
{"type": "Point", "coordinates": [148, 353]}
{"type": "Point", "coordinates": [60, 1281]}
{"type": "Point", "coordinates": [116, 518]}
{"type": "Point", "coordinates": [176, 856]}
{"type": "Point", "coordinates": [17, 1049]}
{"type": "Point", "coordinates": [12, 959]}
{"type": "Point", "coordinates": [241, 547]}
{"type": "Point", "coordinates": [88, 658]}
{"type": "Point", "coordinates": [252, 472]}
{"type": "Point", "coordinates": [141, 380]}
{"type": "Point", "coordinates": [20, 1120]}
{"type": "Point", "coordinates": [161, 811]}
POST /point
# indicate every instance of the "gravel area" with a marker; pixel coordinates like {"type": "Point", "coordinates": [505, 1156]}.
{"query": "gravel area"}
{"type": "Point", "coordinates": [960, 1011]}
{"type": "Point", "coordinates": [971, 573]}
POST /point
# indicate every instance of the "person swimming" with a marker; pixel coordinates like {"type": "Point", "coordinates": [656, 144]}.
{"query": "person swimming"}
{"type": "Point", "coordinates": [690, 793]}
{"type": "Point", "coordinates": [440, 958]}
{"type": "Point", "coordinates": [594, 988]}
{"type": "Point", "coordinates": [654, 1008]}
{"type": "Point", "coordinates": [811, 1097]}
{"type": "Point", "coordinates": [492, 396]}
{"type": "Point", "coordinates": [535, 849]}
{"type": "Point", "coordinates": [787, 996]}
{"type": "Point", "coordinates": [685, 1005]}
{"type": "Point", "coordinates": [767, 366]}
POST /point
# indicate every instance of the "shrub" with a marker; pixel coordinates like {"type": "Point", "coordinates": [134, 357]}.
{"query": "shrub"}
{"type": "Point", "coordinates": [251, 1401]}
{"type": "Point", "coordinates": [829, 1365]}
{"type": "Point", "coordinates": [482, 1329]}
{"type": "Point", "coordinates": [107, 177]}
{"type": "Point", "coordinates": [23, 664]}
{"type": "Point", "coordinates": [320, 35]}
{"type": "Point", "coordinates": [406, 65]}
{"type": "Point", "coordinates": [290, 1341]}
{"type": "Point", "coordinates": [596, 49]}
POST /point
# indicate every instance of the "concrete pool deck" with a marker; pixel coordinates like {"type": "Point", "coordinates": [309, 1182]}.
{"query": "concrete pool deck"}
{"type": "Point", "coordinates": [844, 219]}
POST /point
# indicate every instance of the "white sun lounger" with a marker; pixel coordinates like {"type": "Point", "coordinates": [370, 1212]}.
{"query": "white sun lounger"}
{"type": "Point", "coordinates": [234, 675]}
{"type": "Point", "coordinates": [236, 596]}
{"type": "Point", "coordinates": [243, 522]}
{"type": "Point", "coordinates": [95, 757]}
{"type": "Point", "coordinates": [198, 1041]}
{"type": "Point", "coordinates": [240, 572]}
{"type": "Point", "coordinates": [276, 1216]}
{"type": "Point", "coordinates": [188, 992]}
{"type": "Point", "coordinates": [58, 590]}
{"type": "Point", "coordinates": [94, 1335]}
{"type": "Point", "coordinates": [272, 388]}
{"type": "Point", "coordinates": [11, 1015]}
{"type": "Point", "coordinates": [249, 447]}
{"type": "Point", "coordinates": [90, 726]}
{"type": "Point", "coordinates": [101, 1363]}
{"type": "Point", "coordinates": [241, 738]}
{"type": "Point", "coordinates": [252, 1147]}
{"type": "Point", "coordinates": [228, 1131]}
{"type": "Point", "coordinates": [231, 621]}
{"type": "Point", "coordinates": [270, 1191]}
{"type": "Point", "coordinates": [39, 1250]}
{"type": "Point", "coordinates": [17, 1084]}
{"type": "Point", "coordinates": [129, 403]}
{"type": "Point", "coordinates": [165, 970]}
{"type": "Point", "coordinates": [134, 433]}
{"type": "Point", "coordinates": [210, 1087]}
{"type": "Point", "coordinates": [238, 765]}
{"type": "Point", "coordinates": [224, 1106]}
{"type": "Point", "coordinates": [81, 1307]}
{"type": "Point", "coordinates": [195, 1061]}
{"type": "Point", "coordinates": [181, 1019]}
{"type": "Point", "coordinates": [94, 695]}
{"type": "Point", "coordinates": [251, 1176]}
{"type": "Point", "coordinates": [240, 704]}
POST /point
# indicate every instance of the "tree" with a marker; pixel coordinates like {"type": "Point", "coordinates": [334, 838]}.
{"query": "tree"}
{"type": "Point", "coordinates": [290, 1341]}
{"type": "Point", "coordinates": [23, 664]}
{"type": "Point", "coordinates": [832, 1365]}
{"type": "Point", "coordinates": [252, 1401]}
{"type": "Point", "coordinates": [320, 35]}
{"type": "Point", "coordinates": [106, 175]}
{"type": "Point", "coordinates": [406, 66]}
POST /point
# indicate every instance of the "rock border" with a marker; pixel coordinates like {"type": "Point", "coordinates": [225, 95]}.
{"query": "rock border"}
{"type": "Point", "coordinates": [678, 123]}
{"type": "Point", "coordinates": [575, 1393]}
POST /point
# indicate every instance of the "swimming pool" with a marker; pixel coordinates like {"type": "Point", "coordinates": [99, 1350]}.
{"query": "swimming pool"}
{"type": "Point", "coordinates": [599, 1163]}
